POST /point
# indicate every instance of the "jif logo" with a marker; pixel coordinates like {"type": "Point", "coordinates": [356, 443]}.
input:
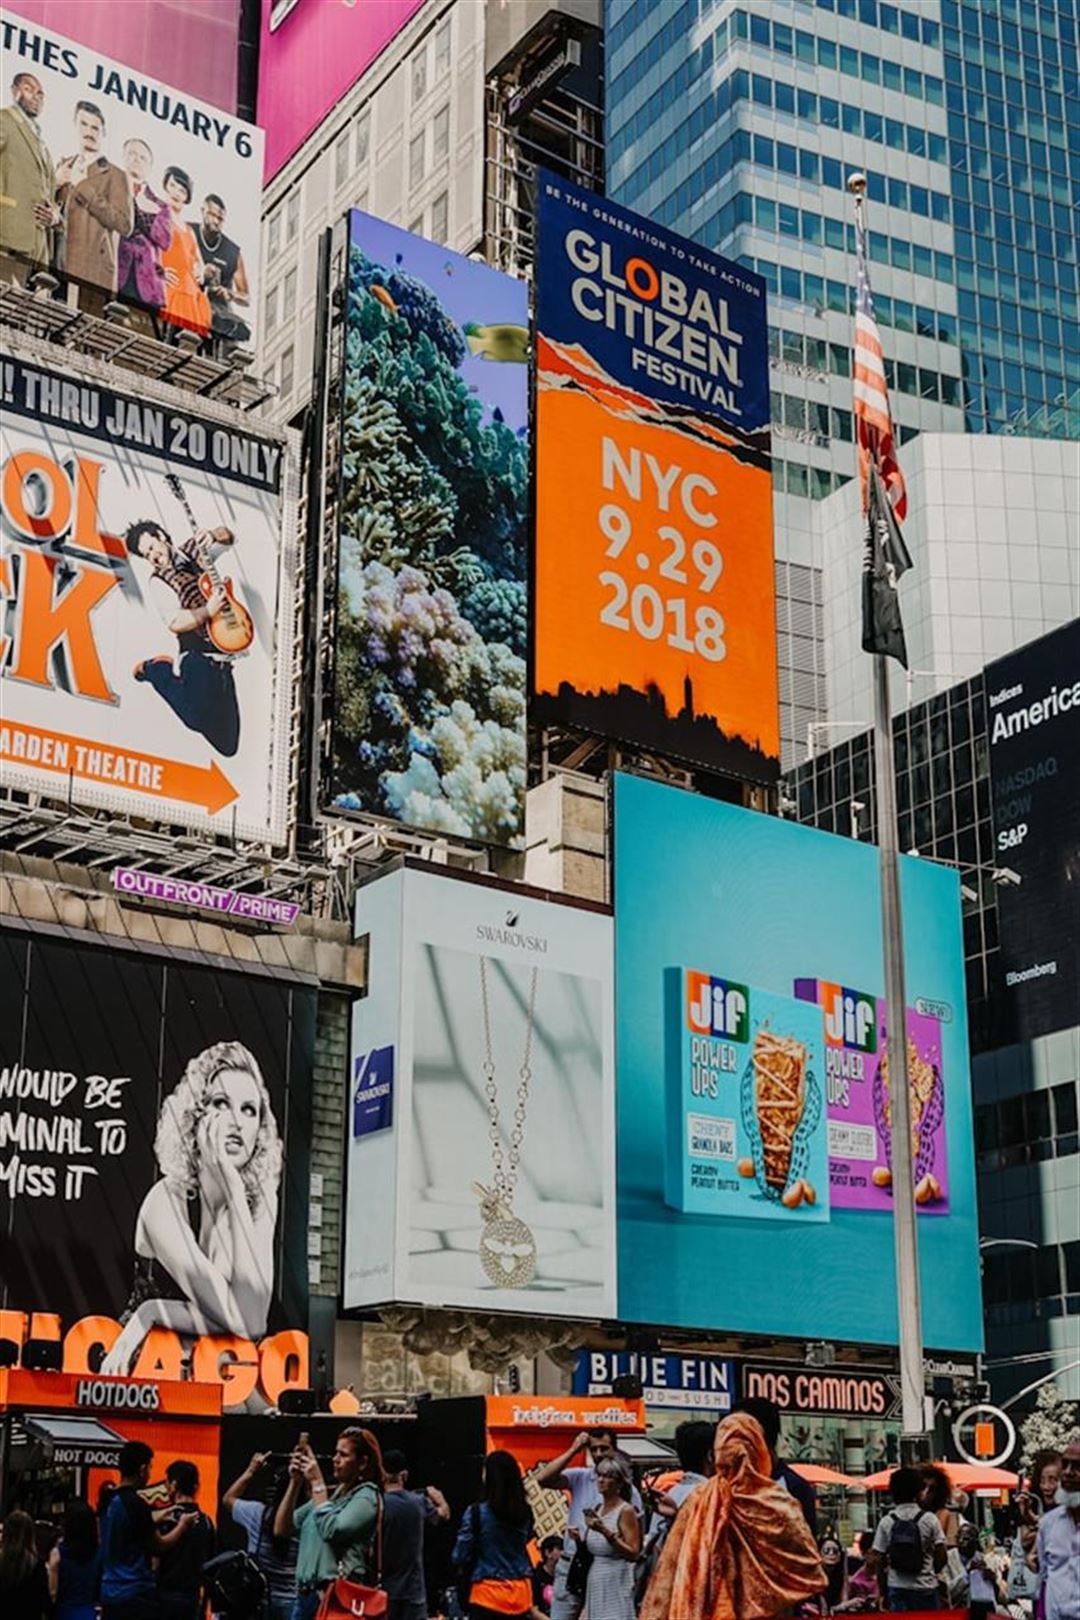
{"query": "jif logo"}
{"type": "Point", "coordinates": [717, 1007]}
{"type": "Point", "coordinates": [850, 1018]}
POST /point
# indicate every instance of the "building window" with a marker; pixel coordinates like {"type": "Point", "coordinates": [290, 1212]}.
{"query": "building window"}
{"type": "Point", "coordinates": [415, 226]}
{"type": "Point", "coordinates": [442, 48]}
{"type": "Point", "coordinates": [270, 311]}
{"type": "Point", "coordinates": [419, 74]}
{"type": "Point", "coordinates": [440, 135]}
{"type": "Point", "coordinates": [292, 216]}
{"type": "Point", "coordinates": [288, 366]}
{"type": "Point", "coordinates": [440, 217]}
{"type": "Point", "coordinates": [416, 159]}
{"type": "Point", "coordinates": [288, 295]}
{"type": "Point", "coordinates": [273, 235]}
{"type": "Point", "coordinates": [341, 161]}
{"type": "Point", "coordinates": [363, 139]}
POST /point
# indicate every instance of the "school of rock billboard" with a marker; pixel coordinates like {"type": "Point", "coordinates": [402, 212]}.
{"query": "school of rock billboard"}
{"type": "Point", "coordinates": [754, 1100]}
{"type": "Point", "coordinates": [1033, 726]}
{"type": "Point", "coordinates": [154, 1145]}
{"type": "Point", "coordinates": [431, 589]}
{"type": "Point", "coordinates": [655, 617]}
{"type": "Point", "coordinates": [145, 599]}
{"type": "Point", "coordinates": [480, 1156]}
{"type": "Point", "coordinates": [127, 188]}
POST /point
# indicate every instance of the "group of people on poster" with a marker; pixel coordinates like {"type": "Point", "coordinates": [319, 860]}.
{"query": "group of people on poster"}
{"type": "Point", "coordinates": [124, 229]}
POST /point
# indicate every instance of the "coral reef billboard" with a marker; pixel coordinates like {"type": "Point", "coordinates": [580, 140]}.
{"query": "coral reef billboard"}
{"type": "Point", "coordinates": [429, 657]}
{"type": "Point", "coordinates": [654, 612]}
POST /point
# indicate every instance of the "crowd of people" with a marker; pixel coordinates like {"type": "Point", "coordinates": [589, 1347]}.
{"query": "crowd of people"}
{"type": "Point", "coordinates": [111, 229]}
{"type": "Point", "coordinates": [728, 1538]}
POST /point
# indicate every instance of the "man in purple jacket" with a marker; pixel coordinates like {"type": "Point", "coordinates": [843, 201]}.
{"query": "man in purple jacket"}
{"type": "Point", "coordinates": [140, 278]}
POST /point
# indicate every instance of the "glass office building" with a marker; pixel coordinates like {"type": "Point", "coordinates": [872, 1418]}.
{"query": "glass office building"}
{"type": "Point", "coordinates": [738, 122]}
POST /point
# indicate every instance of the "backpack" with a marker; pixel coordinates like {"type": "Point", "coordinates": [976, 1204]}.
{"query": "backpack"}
{"type": "Point", "coordinates": [905, 1553]}
{"type": "Point", "coordinates": [236, 1585]}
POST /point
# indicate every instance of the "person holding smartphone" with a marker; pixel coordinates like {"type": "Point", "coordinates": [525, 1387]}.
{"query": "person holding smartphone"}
{"type": "Point", "coordinates": [180, 1567]}
{"type": "Point", "coordinates": [336, 1527]}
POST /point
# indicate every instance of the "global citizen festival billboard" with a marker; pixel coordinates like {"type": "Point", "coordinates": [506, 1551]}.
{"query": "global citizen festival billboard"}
{"type": "Point", "coordinates": [1033, 724]}
{"type": "Point", "coordinates": [480, 1158]}
{"type": "Point", "coordinates": [754, 1099]}
{"type": "Point", "coordinates": [654, 615]}
{"type": "Point", "coordinates": [155, 1126]}
{"type": "Point", "coordinates": [429, 652]}
{"type": "Point", "coordinates": [145, 600]}
{"type": "Point", "coordinates": [121, 184]}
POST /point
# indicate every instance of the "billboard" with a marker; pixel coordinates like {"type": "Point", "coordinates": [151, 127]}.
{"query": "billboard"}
{"type": "Point", "coordinates": [654, 616]}
{"type": "Point", "coordinates": [154, 1144]}
{"type": "Point", "coordinates": [146, 576]}
{"type": "Point", "coordinates": [200, 44]}
{"type": "Point", "coordinates": [480, 1156]}
{"type": "Point", "coordinates": [127, 188]}
{"type": "Point", "coordinates": [748, 986]}
{"type": "Point", "coordinates": [429, 656]}
{"type": "Point", "coordinates": [1033, 726]}
{"type": "Point", "coordinates": [310, 53]}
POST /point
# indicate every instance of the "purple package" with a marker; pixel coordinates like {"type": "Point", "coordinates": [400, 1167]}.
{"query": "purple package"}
{"type": "Point", "coordinates": [857, 1100]}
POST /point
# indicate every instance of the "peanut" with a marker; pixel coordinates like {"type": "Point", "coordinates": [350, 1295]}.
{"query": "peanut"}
{"type": "Point", "coordinates": [923, 1193]}
{"type": "Point", "coordinates": [794, 1196]}
{"type": "Point", "coordinates": [745, 1167]}
{"type": "Point", "coordinates": [808, 1193]}
{"type": "Point", "coordinates": [882, 1176]}
{"type": "Point", "coordinates": [935, 1188]}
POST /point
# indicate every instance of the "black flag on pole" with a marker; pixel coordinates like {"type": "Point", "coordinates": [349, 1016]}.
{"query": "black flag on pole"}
{"type": "Point", "coordinates": [885, 558]}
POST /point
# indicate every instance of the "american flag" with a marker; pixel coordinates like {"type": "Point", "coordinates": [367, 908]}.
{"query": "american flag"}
{"type": "Point", "coordinates": [873, 421]}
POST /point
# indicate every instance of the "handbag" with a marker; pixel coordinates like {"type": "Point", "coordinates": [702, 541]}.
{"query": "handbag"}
{"type": "Point", "coordinates": [1022, 1582]}
{"type": "Point", "coordinates": [577, 1576]}
{"type": "Point", "coordinates": [343, 1599]}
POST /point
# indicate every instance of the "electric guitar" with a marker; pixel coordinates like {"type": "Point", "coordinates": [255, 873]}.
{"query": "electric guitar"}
{"type": "Point", "coordinates": [231, 628]}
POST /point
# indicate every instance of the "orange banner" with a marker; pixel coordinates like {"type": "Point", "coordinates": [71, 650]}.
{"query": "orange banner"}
{"type": "Point", "coordinates": [206, 786]}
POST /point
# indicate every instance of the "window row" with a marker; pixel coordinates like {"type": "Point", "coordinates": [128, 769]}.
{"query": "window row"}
{"type": "Point", "coordinates": [794, 478]}
{"type": "Point", "coordinates": [279, 305]}
{"type": "Point", "coordinates": [434, 51]}
{"type": "Point", "coordinates": [283, 225]}
{"type": "Point", "coordinates": [822, 230]}
{"type": "Point", "coordinates": [816, 51]}
{"type": "Point", "coordinates": [1014, 1276]}
{"type": "Point", "coordinates": [890, 19]}
{"type": "Point", "coordinates": [1032, 1119]}
{"type": "Point", "coordinates": [975, 112]}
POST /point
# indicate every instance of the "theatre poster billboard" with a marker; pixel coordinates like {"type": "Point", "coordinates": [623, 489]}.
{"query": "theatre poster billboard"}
{"type": "Point", "coordinates": [432, 578]}
{"type": "Point", "coordinates": [655, 615]}
{"type": "Point", "coordinates": [155, 1125]}
{"type": "Point", "coordinates": [124, 187]}
{"type": "Point", "coordinates": [146, 574]}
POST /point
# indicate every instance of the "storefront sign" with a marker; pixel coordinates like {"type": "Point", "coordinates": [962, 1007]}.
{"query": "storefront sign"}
{"type": "Point", "coordinates": [827, 1392]}
{"type": "Point", "coordinates": [541, 1412]}
{"type": "Point", "coordinates": [117, 1395]}
{"type": "Point", "coordinates": [704, 1385]}
{"type": "Point", "coordinates": [204, 897]}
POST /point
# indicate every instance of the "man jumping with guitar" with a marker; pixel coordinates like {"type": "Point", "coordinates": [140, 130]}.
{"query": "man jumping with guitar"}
{"type": "Point", "coordinates": [211, 627]}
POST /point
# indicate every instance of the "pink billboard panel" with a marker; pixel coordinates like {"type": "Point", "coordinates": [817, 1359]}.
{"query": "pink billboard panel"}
{"type": "Point", "coordinates": [191, 43]}
{"type": "Point", "coordinates": [309, 55]}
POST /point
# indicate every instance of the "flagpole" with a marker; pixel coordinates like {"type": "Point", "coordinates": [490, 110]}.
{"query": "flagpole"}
{"type": "Point", "coordinates": [915, 1442]}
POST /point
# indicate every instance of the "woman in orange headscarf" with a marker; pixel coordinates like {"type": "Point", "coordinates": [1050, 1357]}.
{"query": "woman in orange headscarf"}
{"type": "Point", "coordinates": [739, 1548]}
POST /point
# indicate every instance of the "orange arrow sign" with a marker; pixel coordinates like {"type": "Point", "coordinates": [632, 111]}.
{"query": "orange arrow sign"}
{"type": "Point", "coordinates": [204, 785]}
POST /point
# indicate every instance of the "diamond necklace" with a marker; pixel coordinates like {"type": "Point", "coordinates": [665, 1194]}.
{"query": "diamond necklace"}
{"type": "Point", "coordinates": [507, 1247]}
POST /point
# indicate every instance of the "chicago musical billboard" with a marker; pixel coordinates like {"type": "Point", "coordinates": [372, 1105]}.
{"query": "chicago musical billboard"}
{"type": "Point", "coordinates": [128, 189]}
{"type": "Point", "coordinates": [429, 654]}
{"type": "Point", "coordinates": [480, 1157]}
{"type": "Point", "coordinates": [752, 1045]}
{"type": "Point", "coordinates": [146, 579]}
{"type": "Point", "coordinates": [1033, 726]}
{"type": "Point", "coordinates": [655, 620]}
{"type": "Point", "coordinates": [155, 1124]}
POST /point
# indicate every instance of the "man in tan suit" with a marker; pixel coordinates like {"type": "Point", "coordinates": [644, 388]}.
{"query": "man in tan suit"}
{"type": "Point", "coordinates": [97, 203]}
{"type": "Point", "coordinates": [27, 181]}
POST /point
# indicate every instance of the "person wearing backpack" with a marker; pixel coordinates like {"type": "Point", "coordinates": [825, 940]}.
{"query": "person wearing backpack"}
{"type": "Point", "coordinates": [910, 1543]}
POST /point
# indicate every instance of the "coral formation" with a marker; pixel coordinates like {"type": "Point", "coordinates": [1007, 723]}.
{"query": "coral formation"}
{"type": "Point", "coordinates": [430, 673]}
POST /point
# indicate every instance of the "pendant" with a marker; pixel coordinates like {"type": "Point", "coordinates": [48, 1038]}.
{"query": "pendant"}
{"type": "Point", "coordinates": [507, 1247]}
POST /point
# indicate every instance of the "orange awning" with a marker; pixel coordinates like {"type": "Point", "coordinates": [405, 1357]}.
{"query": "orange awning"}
{"type": "Point", "coordinates": [964, 1476]}
{"type": "Point", "coordinates": [819, 1475]}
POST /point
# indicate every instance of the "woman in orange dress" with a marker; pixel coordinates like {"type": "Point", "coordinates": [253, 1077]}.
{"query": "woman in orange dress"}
{"type": "Point", "coordinates": [740, 1548]}
{"type": "Point", "coordinates": [185, 302]}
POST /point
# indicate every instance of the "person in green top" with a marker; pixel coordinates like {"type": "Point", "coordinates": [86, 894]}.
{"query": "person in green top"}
{"type": "Point", "coordinates": [336, 1528]}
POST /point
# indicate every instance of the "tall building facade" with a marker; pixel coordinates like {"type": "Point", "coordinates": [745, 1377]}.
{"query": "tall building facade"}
{"type": "Point", "coordinates": [739, 124]}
